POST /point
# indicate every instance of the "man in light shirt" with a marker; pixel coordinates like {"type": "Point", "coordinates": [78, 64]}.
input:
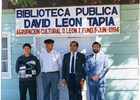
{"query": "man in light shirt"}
{"type": "Point", "coordinates": [51, 63]}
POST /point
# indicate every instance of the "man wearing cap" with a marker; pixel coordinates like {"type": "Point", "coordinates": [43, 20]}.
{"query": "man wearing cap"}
{"type": "Point", "coordinates": [27, 67]}
{"type": "Point", "coordinates": [73, 73]}
{"type": "Point", "coordinates": [51, 63]}
{"type": "Point", "coordinates": [96, 67]}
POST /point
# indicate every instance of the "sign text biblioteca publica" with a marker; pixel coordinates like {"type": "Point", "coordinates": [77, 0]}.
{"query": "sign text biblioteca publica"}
{"type": "Point", "coordinates": [68, 20]}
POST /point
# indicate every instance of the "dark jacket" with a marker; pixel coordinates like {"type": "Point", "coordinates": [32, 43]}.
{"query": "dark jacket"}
{"type": "Point", "coordinates": [79, 67]}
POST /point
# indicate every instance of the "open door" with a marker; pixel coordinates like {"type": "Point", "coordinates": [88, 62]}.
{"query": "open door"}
{"type": "Point", "coordinates": [62, 45]}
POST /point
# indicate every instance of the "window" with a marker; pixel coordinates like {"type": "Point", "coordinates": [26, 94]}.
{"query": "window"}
{"type": "Point", "coordinates": [6, 56]}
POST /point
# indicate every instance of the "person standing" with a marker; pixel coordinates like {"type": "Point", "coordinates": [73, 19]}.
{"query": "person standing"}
{"type": "Point", "coordinates": [73, 73]}
{"type": "Point", "coordinates": [96, 67]}
{"type": "Point", "coordinates": [27, 67]}
{"type": "Point", "coordinates": [51, 63]}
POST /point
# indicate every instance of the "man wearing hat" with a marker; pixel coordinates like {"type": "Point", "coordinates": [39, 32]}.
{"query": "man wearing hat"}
{"type": "Point", "coordinates": [27, 67]}
{"type": "Point", "coordinates": [51, 63]}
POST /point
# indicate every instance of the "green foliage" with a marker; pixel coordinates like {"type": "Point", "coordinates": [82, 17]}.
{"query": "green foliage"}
{"type": "Point", "coordinates": [85, 1]}
{"type": "Point", "coordinates": [23, 3]}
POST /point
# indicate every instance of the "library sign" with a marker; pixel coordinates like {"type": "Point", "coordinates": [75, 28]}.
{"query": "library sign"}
{"type": "Point", "coordinates": [79, 20]}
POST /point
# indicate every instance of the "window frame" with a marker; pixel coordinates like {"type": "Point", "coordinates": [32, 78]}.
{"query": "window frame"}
{"type": "Point", "coordinates": [7, 75]}
{"type": "Point", "coordinates": [138, 31]}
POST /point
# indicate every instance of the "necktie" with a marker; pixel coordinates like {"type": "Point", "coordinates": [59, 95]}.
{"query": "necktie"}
{"type": "Point", "coordinates": [72, 65]}
{"type": "Point", "coordinates": [95, 57]}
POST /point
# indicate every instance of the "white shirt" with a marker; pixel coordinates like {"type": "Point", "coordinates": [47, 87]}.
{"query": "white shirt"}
{"type": "Point", "coordinates": [50, 62]}
{"type": "Point", "coordinates": [96, 56]}
{"type": "Point", "coordinates": [71, 61]}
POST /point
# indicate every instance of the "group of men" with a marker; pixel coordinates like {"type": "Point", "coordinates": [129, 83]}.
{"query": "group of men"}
{"type": "Point", "coordinates": [74, 70]}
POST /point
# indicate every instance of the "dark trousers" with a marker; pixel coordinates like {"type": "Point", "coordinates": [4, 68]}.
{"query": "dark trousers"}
{"type": "Point", "coordinates": [74, 89]}
{"type": "Point", "coordinates": [31, 85]}
{"type": "Point", "coordinates": [97, 93]}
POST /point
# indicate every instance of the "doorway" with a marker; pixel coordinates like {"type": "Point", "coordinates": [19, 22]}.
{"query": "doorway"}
{"type": "Point", "coordinates": [62, 45]}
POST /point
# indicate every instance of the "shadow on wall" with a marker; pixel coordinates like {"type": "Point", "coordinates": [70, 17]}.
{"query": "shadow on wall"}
{"type": "Point", "coordinates": [122, 49]}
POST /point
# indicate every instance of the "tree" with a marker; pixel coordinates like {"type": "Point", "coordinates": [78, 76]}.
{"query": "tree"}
{"type": "Point", "coordinates": [23, 3]}
{"type": "Point", "coordinates": [53, 3]}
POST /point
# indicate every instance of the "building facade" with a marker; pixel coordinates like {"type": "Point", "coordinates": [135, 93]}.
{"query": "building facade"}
{"type": "Point", "coordinates": [122, 50]}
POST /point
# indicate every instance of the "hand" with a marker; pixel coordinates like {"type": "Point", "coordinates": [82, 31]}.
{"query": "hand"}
{"type": "Point", "coordinates": [95, 78]}
{"type": "Point", "coordinates": [82, 82]}
{"type": "Point", "coordinates": [64, 82]}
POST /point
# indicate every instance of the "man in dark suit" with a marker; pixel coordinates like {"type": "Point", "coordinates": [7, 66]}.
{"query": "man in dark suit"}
{"type": "Point", "coordinates": [73, 73]}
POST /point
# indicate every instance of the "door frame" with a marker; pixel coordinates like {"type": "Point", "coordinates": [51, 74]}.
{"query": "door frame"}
{"type": "Point", "coordinates": [53, 36]}
{"type": "Point", "coordinates": [138, 31]}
